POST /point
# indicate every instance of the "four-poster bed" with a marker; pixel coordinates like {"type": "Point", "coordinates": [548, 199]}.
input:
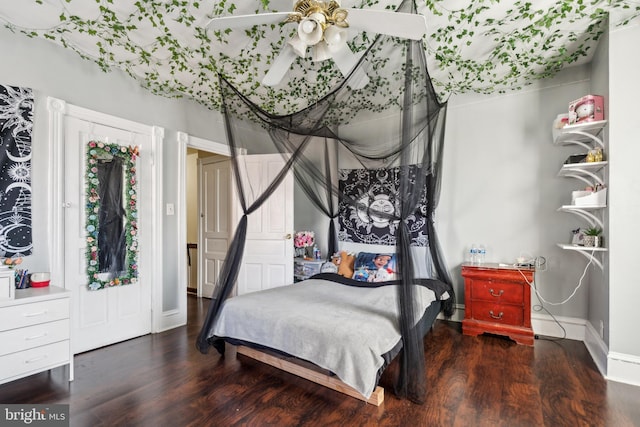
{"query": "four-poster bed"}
{"type": "Point", "coordinates": [401, 128]}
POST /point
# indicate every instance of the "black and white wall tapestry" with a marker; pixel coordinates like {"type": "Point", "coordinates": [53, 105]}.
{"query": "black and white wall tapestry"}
{"type": "Point", "coordinates": [377, 191]}
{"type": "Point", "coordinates": [16, 124]}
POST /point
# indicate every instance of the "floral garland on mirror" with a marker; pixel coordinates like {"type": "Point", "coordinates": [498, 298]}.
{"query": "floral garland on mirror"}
{"type": "Point", "coordinates": [95, 151]}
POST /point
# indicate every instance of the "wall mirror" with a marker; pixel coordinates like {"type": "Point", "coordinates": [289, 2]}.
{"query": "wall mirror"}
{"type": "Point", "coordinates": [111, 215]}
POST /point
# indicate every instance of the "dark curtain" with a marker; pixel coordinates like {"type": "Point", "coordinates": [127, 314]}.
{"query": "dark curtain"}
{"type": "Point", "coordinates": [371, 127]}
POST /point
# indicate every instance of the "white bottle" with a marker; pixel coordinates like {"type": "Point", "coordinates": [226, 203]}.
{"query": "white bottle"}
{"type": "Point", "coordinates": [482, 253]}
{"type": "Point", "coordinates": [473, 254]}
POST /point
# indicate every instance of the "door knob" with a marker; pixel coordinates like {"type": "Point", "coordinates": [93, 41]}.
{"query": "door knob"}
{"type": "Point", "coordinates": [288, 236]}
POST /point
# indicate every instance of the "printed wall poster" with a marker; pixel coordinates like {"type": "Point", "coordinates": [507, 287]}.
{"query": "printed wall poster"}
{"type": "Point", "coordinates": [16, 124]}
{"type": "Point", "coordinates": [377, 191]}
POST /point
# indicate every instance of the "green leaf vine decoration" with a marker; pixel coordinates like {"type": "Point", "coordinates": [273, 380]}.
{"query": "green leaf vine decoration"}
{"type": "Point", "coordinates": [483, 46]}
{"type": "Point", "coordinates": [97, 150]}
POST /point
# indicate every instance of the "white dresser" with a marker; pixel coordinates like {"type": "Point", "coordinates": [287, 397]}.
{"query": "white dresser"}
{"type": "Point", "coordinates": [35, 331]}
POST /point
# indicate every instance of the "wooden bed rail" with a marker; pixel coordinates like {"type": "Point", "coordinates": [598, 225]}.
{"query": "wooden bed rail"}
{"type": "Point", "coordinates": [377, 397]}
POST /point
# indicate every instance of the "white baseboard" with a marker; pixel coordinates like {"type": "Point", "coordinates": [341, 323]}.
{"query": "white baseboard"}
{"type": "Point", "coordinates": [170, 319]}
{"type": "Point", "coordinates": [597, 348]}
{"type": "Point", "coordinates": [623, 368]}
{"type": "Point", "coordinates": [543, 324]}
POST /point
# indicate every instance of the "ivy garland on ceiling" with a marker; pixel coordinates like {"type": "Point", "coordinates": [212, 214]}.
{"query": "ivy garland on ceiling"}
{"type": "Point", "coordinates": [525, 43]}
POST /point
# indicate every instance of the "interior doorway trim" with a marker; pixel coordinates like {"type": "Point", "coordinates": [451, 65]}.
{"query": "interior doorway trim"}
{"type": "Point", "coordinates": [186, 141]}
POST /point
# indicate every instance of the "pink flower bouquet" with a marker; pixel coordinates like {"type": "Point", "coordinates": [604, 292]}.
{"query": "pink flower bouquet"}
{"type": "Point", "coordinates": [303, 239]}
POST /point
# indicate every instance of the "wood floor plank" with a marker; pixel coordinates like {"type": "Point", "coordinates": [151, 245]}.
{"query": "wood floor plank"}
{"type": "Point", "coordinates": [161, 379]}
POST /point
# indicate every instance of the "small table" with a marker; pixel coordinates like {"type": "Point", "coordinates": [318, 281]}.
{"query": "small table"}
{"type": "Point", "coordinates": [498, 300]}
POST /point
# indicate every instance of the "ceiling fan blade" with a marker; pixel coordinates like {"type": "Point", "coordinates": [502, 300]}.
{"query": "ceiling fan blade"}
{"type": "Point", "coordinates": [406, 25]}
{"type": "Point", "coordinates": [280, 66]}
{"type": "Point", "coordinates": [345, 59]}
{"type": "Point", "coordinates": [246, 21]}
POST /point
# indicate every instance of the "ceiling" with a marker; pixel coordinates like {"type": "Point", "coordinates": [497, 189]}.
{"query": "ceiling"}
{"type": "Point", "coordinates": [482, 46]}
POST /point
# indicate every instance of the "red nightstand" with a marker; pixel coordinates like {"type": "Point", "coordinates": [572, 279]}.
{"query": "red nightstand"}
{"type": "Point", "coordinates": [498, 300]}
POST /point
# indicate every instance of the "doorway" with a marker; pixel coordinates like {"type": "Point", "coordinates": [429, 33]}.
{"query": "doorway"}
{"type": "Point", "coordinates": [193, 272]}
{"type": "Point", "coordinates": [209, 222]}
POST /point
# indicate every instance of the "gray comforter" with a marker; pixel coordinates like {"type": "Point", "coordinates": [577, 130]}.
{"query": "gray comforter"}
{"type": "Point", "coordinates": [343, 329]}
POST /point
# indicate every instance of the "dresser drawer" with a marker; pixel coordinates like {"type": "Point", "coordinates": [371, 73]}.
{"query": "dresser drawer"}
{"type": "Point", "coordinates": [34, 336]}
{"type": "Point", "coordinates": [497, 291]}
{"type": "Point", "coordinates": [18, 316]}
{"type": "Point", "coordinates": [498, 313]}
{"type": "Point", "coordinates": [34, 360]}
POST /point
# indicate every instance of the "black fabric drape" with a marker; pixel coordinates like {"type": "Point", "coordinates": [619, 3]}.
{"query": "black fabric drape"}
{"type": "Point", "coordinates": [112, 245]}
{"type": "Point", "coordinates": [399, 124]}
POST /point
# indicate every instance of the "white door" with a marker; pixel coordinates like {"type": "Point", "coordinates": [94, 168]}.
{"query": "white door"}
{"type": "Point", "coordinates": [113, 314]}
{"type": "Point", "coordinates": [268, 251]}
{"type": "Point", "coordinates": [215, 227]}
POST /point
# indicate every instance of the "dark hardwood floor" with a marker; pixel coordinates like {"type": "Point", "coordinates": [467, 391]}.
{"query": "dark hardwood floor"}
{"type": "Point", "coordinates": [162, 380]}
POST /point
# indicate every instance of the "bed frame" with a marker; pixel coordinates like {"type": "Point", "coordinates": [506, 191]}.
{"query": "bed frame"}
{"type": "Point", "coordinates": [311, 373]}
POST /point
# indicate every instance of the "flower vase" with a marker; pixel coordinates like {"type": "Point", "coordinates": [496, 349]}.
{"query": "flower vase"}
{"type": "Point", "coordinates": [592, 241]}
{"type": "Point", "coordinates": [308, 252]}
{"type": "Point", "coordinates": [299, 252]}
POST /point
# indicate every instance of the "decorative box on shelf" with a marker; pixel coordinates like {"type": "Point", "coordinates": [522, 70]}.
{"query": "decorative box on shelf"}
{"type": "Point", "coordinates": [592, 198]}
{"type": "Point", "coordinates": [7, 284]}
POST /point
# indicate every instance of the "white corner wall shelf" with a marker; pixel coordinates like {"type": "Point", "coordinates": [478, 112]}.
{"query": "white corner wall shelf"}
{"type": "Point", "coordinates": [585, 212]}
{"type": "Point", "coordinates": [581, 134]}
{"type": "Point", "coordinates": [584, 171]}
{"type": "Point", "coordinates": [587, 251]}
{"type": "Point", "coordinates": [585, 135]}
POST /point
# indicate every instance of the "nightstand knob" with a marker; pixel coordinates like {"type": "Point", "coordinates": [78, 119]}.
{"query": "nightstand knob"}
{"type": "Point", "coordinates": [494, 294]}
{"type": "Point", "coordinates": [498, 317]}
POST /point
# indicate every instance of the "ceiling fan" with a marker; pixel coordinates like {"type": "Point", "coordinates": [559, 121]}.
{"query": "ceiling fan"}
{"type": "Point", "coordinates": [323, 25]}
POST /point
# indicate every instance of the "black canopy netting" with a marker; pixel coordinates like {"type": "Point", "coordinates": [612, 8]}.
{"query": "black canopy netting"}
{"type": "Point", "coordinates": [385, 114]}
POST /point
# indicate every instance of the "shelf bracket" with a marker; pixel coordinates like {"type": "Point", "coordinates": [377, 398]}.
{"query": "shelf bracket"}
{"type": "Point", "coordinates": [588, 135]}
{"type": "Point", "coordinates": [586, 252]}
{"type": "Point", "coordinates": [596, 178]}
{"type": "Point", "coordinates": [588, 256]}
{"type": "Point", "coordinates": [590, 217]}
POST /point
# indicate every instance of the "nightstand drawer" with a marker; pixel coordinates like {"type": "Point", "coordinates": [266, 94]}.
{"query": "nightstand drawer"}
{"type": "Point", "coordinates": [18, 316]}
{"type": "Point", "coordinates": [34, 336]}
{"type": "Point", "coordinates": [497, 291]}
{"type": "Point", "coordinates": [498, 313]}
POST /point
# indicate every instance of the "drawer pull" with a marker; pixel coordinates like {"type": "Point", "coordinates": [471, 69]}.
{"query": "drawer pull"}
{"type": "Point", "coordinates": [35, 337]}
{"type": "Point", "coordinates": [36, 359]}
{"type": "Point", "coordinates": [39, 313]}
{"type": "Point", "coordinates": [498, 317]}
{"type": "Point", "coordinates": [499, 294]}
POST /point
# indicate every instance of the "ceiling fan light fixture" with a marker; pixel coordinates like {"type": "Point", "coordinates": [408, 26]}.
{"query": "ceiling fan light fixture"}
{"type": "Point", "coordinates": [299, 46]}
{"type": "Point", "coordinates": [321, 52]}
{"type": "Point", "coordinates": [335, 37]}
{"type": "Point", "coordinates": [311, 28]}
